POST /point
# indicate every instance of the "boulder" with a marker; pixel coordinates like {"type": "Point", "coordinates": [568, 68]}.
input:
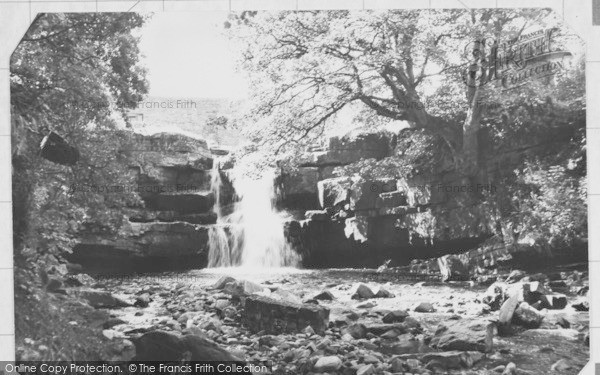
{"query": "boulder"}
{"type": "Point", "coordinates": [530, 292]}
{"type": "Point", "coordinates": [465, 335]}
{"type": "Point", "coordinates": [142, 300]}
{"type": "Point", "coordinates": [396, 316]}
{"type": "Point", "coordinates": [363, 292]}
{"type": "Point", "coordinates": [425, 307]}
{"type": "Point", "coordinates": [507, 311]}
{"type": "Point", "coordinates": [527, 316]}
{"type": "Point", "coordinates": [275, 316]}
{"type": "Point", "coordinates": [330, 363]}
{"type": "Point", "coordinates": [495, 295]}
{"type": "Point", "coordinates": [382, 293]}
{"type": "Point", "coordinates": [56, 149]}
{"type": "Point", "coordinates": [453, 359]}
{"type": "Point", "coordinates": [554, 301]}
{"type": "Point", "coordinates": [357, 330]}
{"type": "Point", "coordinates": [324, 296]}
{"type": "Point", "coordinates": [452, 268]}
{"type": "Point", "coordinates": [164, 346]}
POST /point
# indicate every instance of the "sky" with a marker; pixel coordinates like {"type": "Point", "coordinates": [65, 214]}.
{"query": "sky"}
{"type": "Point", "coordinates": [188, 55]}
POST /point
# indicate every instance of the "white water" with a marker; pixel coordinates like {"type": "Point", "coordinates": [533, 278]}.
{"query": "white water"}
{"type": "Point", "coordinates": [252, 235]}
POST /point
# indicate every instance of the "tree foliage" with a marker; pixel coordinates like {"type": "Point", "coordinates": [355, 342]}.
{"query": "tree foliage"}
{"type": "Point", "coordinates": [74, 74]}
{"type": "Point", "coordinates": [403, 65]}
{"type": "Point", "coordinates": [433, 70]}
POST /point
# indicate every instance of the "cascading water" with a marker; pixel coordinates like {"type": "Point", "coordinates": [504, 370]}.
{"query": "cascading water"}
{"type": "Point", "coordinates": [219, 254]}
{"type": "Point", "coordinates": [252, 235]}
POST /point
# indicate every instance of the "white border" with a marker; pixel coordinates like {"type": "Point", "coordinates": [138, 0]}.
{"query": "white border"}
{"type": "Point", "coordinates": [16, 15]}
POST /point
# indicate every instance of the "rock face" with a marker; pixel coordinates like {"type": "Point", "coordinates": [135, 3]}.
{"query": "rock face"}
{"type": "Point", "coordinates": [395, 203]}
{"type": "Point", "coordinates": [173, 174]}
{"type": "Point", "coordinates": [378, 216]}
{"type": "Point", "coordinates": [276, 316]}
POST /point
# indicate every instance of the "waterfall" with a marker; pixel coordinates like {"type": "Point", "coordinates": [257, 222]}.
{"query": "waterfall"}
{"type": "Point", "coordinates": [252, 235]}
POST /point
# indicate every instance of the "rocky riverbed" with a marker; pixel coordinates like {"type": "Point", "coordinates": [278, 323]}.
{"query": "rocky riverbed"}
{"type": "Point", "coordinates": [361, 321]}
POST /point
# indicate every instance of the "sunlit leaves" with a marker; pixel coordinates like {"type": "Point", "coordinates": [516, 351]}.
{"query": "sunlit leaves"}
{"type": "Point", "coordinates": [71, 73]}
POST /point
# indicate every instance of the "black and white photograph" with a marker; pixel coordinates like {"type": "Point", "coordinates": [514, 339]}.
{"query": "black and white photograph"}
{"type": "Point", "coordinates": [353, 192]}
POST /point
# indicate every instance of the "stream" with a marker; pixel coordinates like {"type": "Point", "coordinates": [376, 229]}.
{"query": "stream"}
{"type": "Point", "coordinates": [184, 302]}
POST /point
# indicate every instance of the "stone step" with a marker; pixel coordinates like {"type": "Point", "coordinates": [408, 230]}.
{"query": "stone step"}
{"type": "Point", "coordinates": [187, 203]}
{"type": "Point", "coordinates": [172, 216]}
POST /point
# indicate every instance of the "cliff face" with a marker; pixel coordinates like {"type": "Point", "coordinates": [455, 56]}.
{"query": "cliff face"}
{"type": "Point", "coordinates": [358, 202]}
{"type": "Point", "coordinates": [399, 196]}
{"type": "Point", "coordinates": [173, 174]}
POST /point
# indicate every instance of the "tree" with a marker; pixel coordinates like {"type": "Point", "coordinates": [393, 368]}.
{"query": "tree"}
{"type": "Point", "coordinates": [72, 74]}
{"type": "Point", "coordinates": [429, 68]}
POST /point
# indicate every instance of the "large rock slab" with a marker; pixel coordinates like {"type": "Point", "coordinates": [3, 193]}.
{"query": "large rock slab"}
{"type": "Point", "coordinates": [144, 246]}
{"type": "Point", "coordinates": [465, 335]}
{"type": "Point", "coordinates": [168, 150]}
{"type": "Point", "coordinates": [277, 316]}
{"type": "Point", "coordinates": [165, 346]}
